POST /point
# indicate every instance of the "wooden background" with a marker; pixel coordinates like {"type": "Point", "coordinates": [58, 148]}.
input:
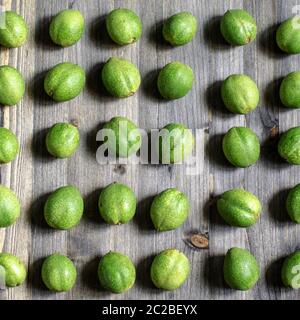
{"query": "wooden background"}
{"type": "Point", "coordinates": [34, 174]}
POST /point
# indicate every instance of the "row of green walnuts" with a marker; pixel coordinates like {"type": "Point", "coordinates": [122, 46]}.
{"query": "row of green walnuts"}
{"type": "Point", "coordinates": [121, 78]}
{"type": "Point", "coordinates": [124, 27]}
{"type": "Point", "coordinates": [169, 270]}
{"type": "Point", "coordinates": [116, 272]}
{"type": "Point", "coordinates": [117, 205]}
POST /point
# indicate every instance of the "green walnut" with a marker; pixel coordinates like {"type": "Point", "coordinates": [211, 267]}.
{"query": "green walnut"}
{"type": "Point", "coordinates": [12, 86]}
{"type": "Point", "coordinates": [241, 147]}
{"type": "Point", "coordinates": [62, 140]}
{"type": "Point", "coordinates": [67, 27]}
{"type": "Point", "coordinates": [9, 146]}
{"type": "Point", "coordinates": [239, 208]}
{"type": "Point", "coordinates": [120, 77]}
{"type": "Point", "coordinates": [64, 208]}
{"type": "Point", "coordinates": [125, 139]}
{"type": "Point", "coordinates": [290, 272]}
{"type": "Point", "coordinates": [180, 28]}
{"type": "Point", "coordinates": [240, 94]}
{"type": "Point", "coordinates": [293, 203]}
{"type": "Point", "coordinates": [289, 146]}
{"type": "Point", "coordinates": [14, 31]}
{"type": "Point", "coordinates": [175, 80]}
{"type": "Point", "coordinates": [116, 272]}
{"type": "Point", "coordinates": [117, 203]}
{"type": "Point", "coordinates": [169, 210]}
{"type": "Point", "coordinates": [288, 35]}
{"type": "Point", "coordinates": [176, 142]}
{"type": "Point", "coordinates": [241, 270]}
{"type": "Point", "coordinates": [290, 90]}
{"type": "Point", "coordinates": [58, 273]}
{"type": "Point", "coordinates": [10, 207]}
{"type": "Point", "coordinates": [64, 82]}
{"type": "Point", "coordinates": [13, 268]}
{"type": "Point", "coordinates": [238, 27]}
{"type": "Point", "coordinates": [170, 269]}
{"type": "Point", "coordinates": [124, 26]}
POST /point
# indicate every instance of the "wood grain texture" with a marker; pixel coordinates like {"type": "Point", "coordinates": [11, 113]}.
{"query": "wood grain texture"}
{"type": "Point", "coordinates": [34, 174]}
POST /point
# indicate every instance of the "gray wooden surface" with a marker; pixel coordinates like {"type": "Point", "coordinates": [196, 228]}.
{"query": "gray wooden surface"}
{"type": "Point", "coordinates": [34, 174]}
